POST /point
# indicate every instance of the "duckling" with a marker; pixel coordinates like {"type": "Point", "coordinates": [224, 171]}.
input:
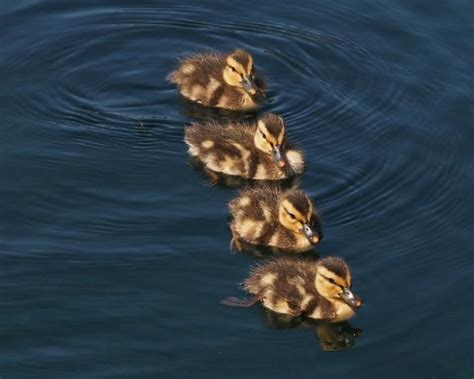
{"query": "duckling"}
{"type": "Point", "coordinates": [315, 289]}
{"type": "Point", "coordinates": [220, 80]}
{"type": "Point", "coordinates": [335, 337]}
{"type": "Point", "coordinates": [285, 219]}
{"type": "Point", "coordinates": [258, 151]}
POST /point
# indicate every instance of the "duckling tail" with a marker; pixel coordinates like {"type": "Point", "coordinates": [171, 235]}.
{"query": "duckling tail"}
{"type": "Point", "coordinates": [235, 302]}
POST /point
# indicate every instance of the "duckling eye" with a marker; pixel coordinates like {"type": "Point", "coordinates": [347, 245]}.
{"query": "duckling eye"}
{"type": "Point", "coordinates": [331, 280]}
{"type": "Point", "coordinates": [293, 217]}
{"type": "Point", "coordinates": [233, 69]}
{"type": "Point", "coordinates": [263, 134]}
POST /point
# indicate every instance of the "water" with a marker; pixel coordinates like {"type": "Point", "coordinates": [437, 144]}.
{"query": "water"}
{"type": "Point", "coordinates": [114, 254]}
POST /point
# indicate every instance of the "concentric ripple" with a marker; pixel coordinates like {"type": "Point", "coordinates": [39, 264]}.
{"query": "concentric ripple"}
{"type": "Point", "coordinates": [95, 162]}
{"type": "Point", "coordinates": [340, 95]}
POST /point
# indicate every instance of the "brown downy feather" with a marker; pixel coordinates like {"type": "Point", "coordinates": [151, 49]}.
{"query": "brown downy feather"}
{"type": "Point", "coordinates": [255, 219]}
{"type": "Point", "coordinates": [230, 149]}
{"type": "Point", "coordinates": [200, 79]}
{"type": "Point", "coordinates": [288, 286]}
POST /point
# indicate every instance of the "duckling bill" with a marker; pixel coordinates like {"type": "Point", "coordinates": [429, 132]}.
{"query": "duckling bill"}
{"type": "Point", "coordinates": [220, 80]}
{"type": "Point", "coordinates": [259, 151]}
{"type": "Point", "coordinates": [284, 219]}
{"type": "Point", "coordinates": [320, 290]}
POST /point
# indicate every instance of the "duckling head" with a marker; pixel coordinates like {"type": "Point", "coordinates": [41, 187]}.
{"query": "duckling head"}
{"type": "Point", "coordinates": [296, 213]}
{"type": "Point", "coordinates": [270, 137]}
{"type": "Point", "coordinates": [239, 72]}
{"type": "Point", "coordinates": [334, 281]}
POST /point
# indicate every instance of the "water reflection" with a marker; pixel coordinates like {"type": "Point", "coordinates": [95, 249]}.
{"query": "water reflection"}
{"type": "Point", "coordinates": [261, 251]}
{"type": "Point", "coordinates": [199, 112]}
{"type": "Point", "coordinates": [330, 336]}
{"type": "Point", "coordinates": [213, 178]}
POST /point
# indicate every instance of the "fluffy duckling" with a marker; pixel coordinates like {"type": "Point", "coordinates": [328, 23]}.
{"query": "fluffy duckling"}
{"type": "Point", "coordinates": [259, 151]}
{"type": "Point", "coordinates": [220, 80]}
{"type": "Point", "coordinates": [285, 219]}
{"type": "Point", "coordinates": [315, 289]}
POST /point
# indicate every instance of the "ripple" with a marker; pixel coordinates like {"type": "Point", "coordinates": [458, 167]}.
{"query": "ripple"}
{"type": "Point", "coordinates": [97, 176]}
{"type": "Point", "coordinates": [339, 95]}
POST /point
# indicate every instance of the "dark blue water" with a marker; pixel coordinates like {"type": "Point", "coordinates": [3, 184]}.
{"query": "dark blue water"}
{"type": "Point", "coordinates": [113, 252]}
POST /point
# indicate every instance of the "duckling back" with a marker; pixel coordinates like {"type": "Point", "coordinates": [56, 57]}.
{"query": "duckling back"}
{"type": "Point", "coordinates": [230, 149]}
{"type": "Point", "coordinates": [255, 220]}
{"type": "Point", "coordinates": [287, 286]}
{"type": "Point", "coordinates": [199, 78]}
{"type": "Point", "coordinates": [221, 149]}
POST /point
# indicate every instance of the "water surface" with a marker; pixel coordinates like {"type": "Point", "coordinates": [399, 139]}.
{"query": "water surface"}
{"type": "Point", "coordinates": [114, 253]}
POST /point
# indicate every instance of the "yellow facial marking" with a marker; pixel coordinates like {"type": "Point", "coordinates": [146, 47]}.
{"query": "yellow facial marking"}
{"type": "Point", "coordinates": [330, 275]}
{"type": "Point", "coordinates": [262, 127]}
{"type": "Point", "coordinates": [291, 209]}
{"type": "Point", "coordinates": [310, 212]}
{"type": "Point", "coordinates": [349, 279]}
{"type": "Point", "coordinates": [250, 65]}
{"type": "Point", "coordinates": [268, 136]}
{"type": "Point", "coordinates": [263, 139]}
{"type": "Point", "coordinates": [281, 136]}
{"type": "Point", "coordinates": [236, 65]}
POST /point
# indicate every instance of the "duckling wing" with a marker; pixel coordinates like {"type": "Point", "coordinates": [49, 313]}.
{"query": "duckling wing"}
{"type": "Point", "coordinates": [226, 149]}
{"type": "Point", "coordinates": [197, 68]}
{"type": "Point", "coordinates": [255, 214]}
{"type": "Point", "coordinates": [287, 286]}
{"type": "Point", "coordinates": [200, 78]}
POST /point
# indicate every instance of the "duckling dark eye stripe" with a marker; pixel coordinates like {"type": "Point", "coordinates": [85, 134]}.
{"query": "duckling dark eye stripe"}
{"type": "Point", "coordinates": [291, 214]}
{"type": "Point", "coordinates": [329, 280]}
{"type": "Point", "coordinates": [233, 69]}
{"type": "Point", "coordinates": [287, 211]}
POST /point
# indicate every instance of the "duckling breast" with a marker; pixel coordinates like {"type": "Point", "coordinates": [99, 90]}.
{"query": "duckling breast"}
{"type": "Point", "coordinates": [342, 311]}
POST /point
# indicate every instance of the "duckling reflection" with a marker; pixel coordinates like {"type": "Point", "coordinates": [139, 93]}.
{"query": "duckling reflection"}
{"type": "Point", "coordinates": [219, 179]}
{"type": "Point", "coordinates": [220, 80]}
{"type": "Point", "coordinates": [335, 337]}
{"type": "Point", "coordinates": [261, 251]}
{"type": "Point", "coordinates": [196, 111]}
{"type": "Point", "coordinates": [331, 336]}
